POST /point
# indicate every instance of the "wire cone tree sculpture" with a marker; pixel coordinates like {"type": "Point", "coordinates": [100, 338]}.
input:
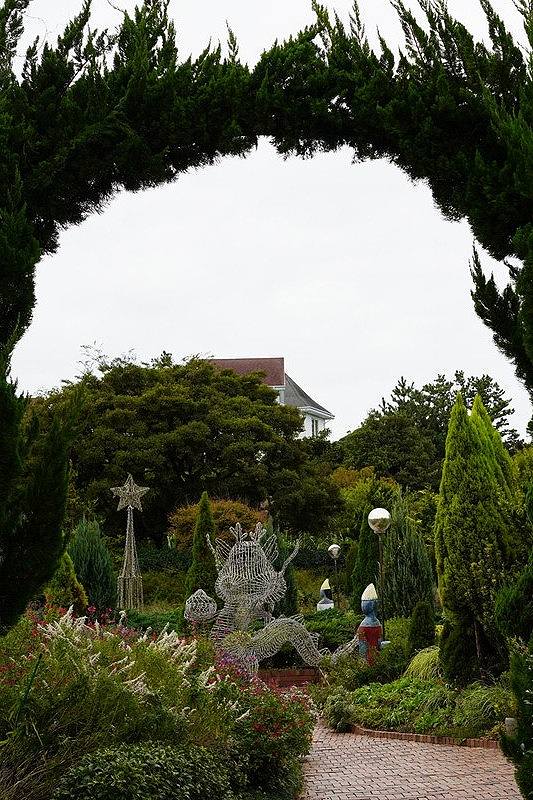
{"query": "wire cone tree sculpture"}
{"type": "Point", "coordinates": [129, 581]}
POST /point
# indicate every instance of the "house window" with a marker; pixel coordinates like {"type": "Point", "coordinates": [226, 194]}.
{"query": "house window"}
{"type": "Point", "coordinates": [314, 427]}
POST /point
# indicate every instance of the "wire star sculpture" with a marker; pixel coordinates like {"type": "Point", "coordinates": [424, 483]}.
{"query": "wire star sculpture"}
{"type": "Point", "coordinates": [129, 581]}
{"type": "Point", "coordinates": [130, 494]}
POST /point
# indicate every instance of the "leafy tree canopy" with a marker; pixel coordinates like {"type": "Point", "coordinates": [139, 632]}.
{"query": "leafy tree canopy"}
{"type": "Point", "coordinates": [405, 438]}
{"type": "Point", "coordinates": [183, 429]}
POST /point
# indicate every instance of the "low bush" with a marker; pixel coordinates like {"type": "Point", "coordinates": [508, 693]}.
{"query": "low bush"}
{"type": "Point", "coordinates": [421, 706]}
{"type": "Point", "coordinates": [338, 711]}
{"type": "Point", "coordinates": [147, 771]}
{"type": "Point", "coordinates": [425, 665]}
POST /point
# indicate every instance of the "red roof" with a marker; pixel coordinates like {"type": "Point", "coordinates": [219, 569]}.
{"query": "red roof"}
{"type": "Point", "coordinates": [274, 368]}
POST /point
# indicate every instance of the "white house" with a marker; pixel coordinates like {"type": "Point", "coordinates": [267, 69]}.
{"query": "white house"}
{"type": "Point", "coordinates": [290, 394]}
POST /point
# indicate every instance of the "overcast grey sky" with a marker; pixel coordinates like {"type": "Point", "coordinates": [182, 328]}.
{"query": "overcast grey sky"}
{"type": "Point", "coordinates": [348, 271]}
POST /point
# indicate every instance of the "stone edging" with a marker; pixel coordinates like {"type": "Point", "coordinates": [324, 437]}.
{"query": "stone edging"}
{"type": "Point", "coordinates": [491, 744]}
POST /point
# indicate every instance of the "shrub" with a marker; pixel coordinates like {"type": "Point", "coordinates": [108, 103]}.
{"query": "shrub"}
{"type": "Point", "coordinates": [93, 565]}
{"type": "Point", "coordinates": [339, 712]}
{"type": "Point", "coordinates": [458, 655]}
{"type": "Point", "coordinates": [425, 665]}
{"type": "Point", "coordinates": [422, 626]}
{"type": "Point", "coordinates": [65, 590]}
{"type": "Point", "coordinates": [147, 772]}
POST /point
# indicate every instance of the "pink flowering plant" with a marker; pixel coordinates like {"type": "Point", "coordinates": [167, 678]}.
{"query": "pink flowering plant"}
{"type": "Point", "coordinates": [279, 722]}
{"type": "Point", "coordinates": [70, 686]}
{"type": "Point", "coordinates": [274, 722]}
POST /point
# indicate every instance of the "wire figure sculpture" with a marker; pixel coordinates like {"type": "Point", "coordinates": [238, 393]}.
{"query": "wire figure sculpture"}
{"type": "Point", "coordinates": [129, 581]}
{"type": "Point", "coordinates": [250, 585]}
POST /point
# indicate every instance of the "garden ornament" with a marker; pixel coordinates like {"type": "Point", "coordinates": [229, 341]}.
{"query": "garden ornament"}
{"type": "Point", "coordinates": [326, 600]}
{"type": "Point", "coordinates": [369, 631]}
{"type": "Point", "coordinates": [250, 585]}
{"type": "Point", "coordinates": [129, 581]}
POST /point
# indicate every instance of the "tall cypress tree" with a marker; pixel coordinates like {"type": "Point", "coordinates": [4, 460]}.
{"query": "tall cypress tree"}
{"type": "Point", "coordinates": [366, 567]}
{"type": "Point", "coordinates": [202, 573]}
{"type": "Point", "coordinates": [33, 488]}
{"type": "Point", "coordinates": [471, 535]}
{"type": "Point", "coordinates": [408, 577]}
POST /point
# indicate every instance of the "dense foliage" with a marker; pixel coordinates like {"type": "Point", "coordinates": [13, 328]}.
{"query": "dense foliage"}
{"type": "Point", "coordinates": [158, 772]}
{"type": "Point", "coordinates": [187, 428]}
{"type": "Point", "coordinates": [33, 486]}
{"type": "Point", "coordinates": [94, 566]}
{"type": "Point", "coordinates": [97, 113]}
{"type": "Point", "coordinates": [71, 689]}
{"type": "Point", "coordinates": [404, 439]}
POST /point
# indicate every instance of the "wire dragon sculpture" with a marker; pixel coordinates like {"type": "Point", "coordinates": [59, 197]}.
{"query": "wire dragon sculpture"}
{"type": "Point", "coordinates": [250, 585]}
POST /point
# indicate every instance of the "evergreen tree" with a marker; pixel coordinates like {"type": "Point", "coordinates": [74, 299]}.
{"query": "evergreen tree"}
{"type": "Point", "coordinates": [94, 565]}
{"type": "Point", "coordinates": [97, 113]}
{"type": "Point", "coordinates": [349, 565]}
{"type": "Point", "coordinates": [408, 576]}
{"type": "Point", "coordinates": [33, 487]}
{"type": "Point", "coordinates": [514, 605]}
{"type": "Point", "coordinates": [519, 747]}
{"type": "Point", "coordinates": [202, 573]}
{"type": "Point", "coordinates": [472, 533]}
{"type": "Point", "coordinates": [422, 626]}
{"type": "Point", "coordinates": [65, 590]}
{"type": "Point", "coordinates": [366, 568]}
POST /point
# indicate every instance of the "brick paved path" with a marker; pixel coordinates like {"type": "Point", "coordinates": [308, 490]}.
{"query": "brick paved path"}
{"type": "Point", "coordinates": [347, 766]}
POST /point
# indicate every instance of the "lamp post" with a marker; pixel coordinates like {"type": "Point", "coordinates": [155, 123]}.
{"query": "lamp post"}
{"type": "Point", "coordinates": [379, 521]}
{"type": "Point", "coordinates": [334, 550]}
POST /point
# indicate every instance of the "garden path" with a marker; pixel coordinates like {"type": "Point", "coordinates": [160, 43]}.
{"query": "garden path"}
{"type": "Point", "coordinates": [350, 766]}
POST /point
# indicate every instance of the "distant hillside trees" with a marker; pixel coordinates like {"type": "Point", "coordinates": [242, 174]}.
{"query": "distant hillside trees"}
{"type": "Point", "coordinates": [405, 437]}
